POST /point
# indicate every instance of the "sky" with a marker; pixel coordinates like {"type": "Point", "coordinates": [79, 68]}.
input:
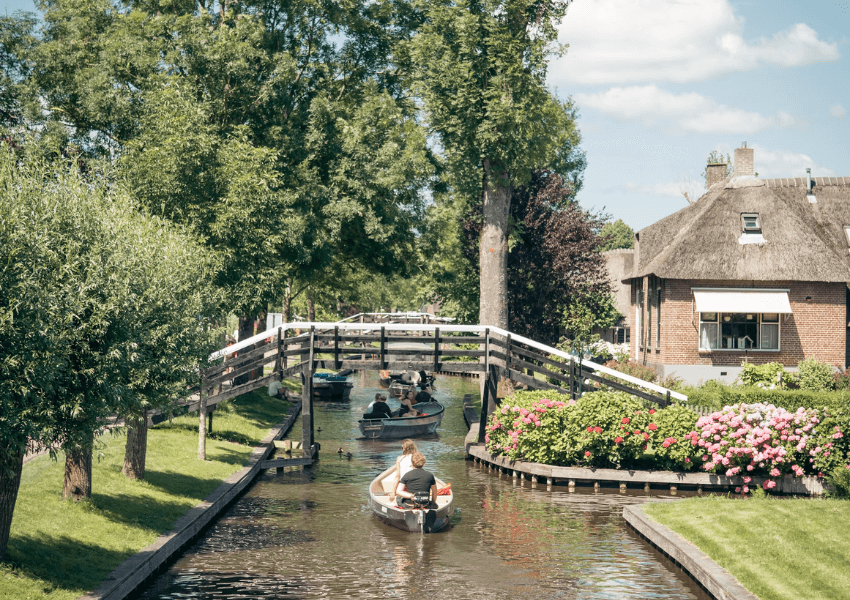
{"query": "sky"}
{"type": "Point", "coordinates": [659, 84]}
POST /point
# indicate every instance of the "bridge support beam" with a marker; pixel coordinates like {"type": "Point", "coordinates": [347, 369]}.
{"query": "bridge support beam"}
{"type": "Point", "coordinates": [488, 400]}
{"type": "Point", "coordinates": [307, 399]}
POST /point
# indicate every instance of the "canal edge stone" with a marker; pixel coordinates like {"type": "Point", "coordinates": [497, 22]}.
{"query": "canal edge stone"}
{"type": "Point", "coordinates": [127, 577]}
{"type": "Point", "coordinates": [719, 582]}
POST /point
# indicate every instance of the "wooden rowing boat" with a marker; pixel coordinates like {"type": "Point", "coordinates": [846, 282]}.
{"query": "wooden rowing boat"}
{"type": "Point", "coordinates": [430, 417]}
{"type": "Point", "coordinates": [407, 519]}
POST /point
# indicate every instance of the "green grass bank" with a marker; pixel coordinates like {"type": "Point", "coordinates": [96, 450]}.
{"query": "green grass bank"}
{"type": "Point", "coordinates": [779, 549]}
{"type": "Point", "coordinates": [60, 550]}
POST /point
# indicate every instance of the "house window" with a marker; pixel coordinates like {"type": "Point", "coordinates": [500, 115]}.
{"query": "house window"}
{"type": "Point", "coordinates": [750, 223]}
{"type": "Point", "coordinates": [639, 311]}
{"type": "Point", "coordinates": [847, 233]}
{"type": "Point", "coordinates": [739, 331]}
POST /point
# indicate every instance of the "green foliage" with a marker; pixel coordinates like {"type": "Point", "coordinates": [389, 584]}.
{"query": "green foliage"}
{"type": "Point", "coordinates": [601, 429]}
{"type": "Point", "coordinates": [815, 375]}
{"type": "Point", "coordinates": [768, 375]}
{"type": "Point", "coordinates": [672, 451]}
{"type": "Point", "coordinates": [587, 312]}
{"type": "Point", "coordinates": [617, 235]}
{"type": "Point", "coordinates": [839, 479]}
{"type": "Point", "coordinates": [714, 394]}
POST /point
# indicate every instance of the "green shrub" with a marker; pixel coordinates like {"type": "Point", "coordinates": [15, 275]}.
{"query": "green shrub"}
{"type": "Point", "coordinates": [815, 375]}
{"type": "Point", "coordinates": [839, 479]}
{"type": "Point", "coordinates": [672, 450]}
{"type": "Point", "coordinates": [769, 375]}
{"type": "Point", "coordinates": [842, 380]}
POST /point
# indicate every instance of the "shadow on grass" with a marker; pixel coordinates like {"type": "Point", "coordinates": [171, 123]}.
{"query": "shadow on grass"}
{"type": "Point", "coordinates": [61, 562]}
{"type": "Point", "coordinates": [187, 485]}
{"type": "Point", "coordinates": [152, 514]}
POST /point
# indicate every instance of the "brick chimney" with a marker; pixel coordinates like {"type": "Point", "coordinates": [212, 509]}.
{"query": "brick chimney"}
{"type": "Point", "coordinates": [744, 164]}
{"type": "Point", "coordinates": [714, 173]}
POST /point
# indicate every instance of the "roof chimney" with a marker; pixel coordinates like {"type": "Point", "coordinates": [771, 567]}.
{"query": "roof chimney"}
{"type": "Point", "coordinates": [744, 164]}
{"type": "Point", "coordinates": [714, 173]}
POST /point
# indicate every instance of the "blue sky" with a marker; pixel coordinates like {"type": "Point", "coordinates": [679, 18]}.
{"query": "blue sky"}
{"type": "Point", "coordinates": [661, 83]}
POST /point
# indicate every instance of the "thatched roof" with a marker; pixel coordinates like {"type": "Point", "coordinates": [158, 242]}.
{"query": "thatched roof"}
{"type": "Point", "coordinates": [802, 241]}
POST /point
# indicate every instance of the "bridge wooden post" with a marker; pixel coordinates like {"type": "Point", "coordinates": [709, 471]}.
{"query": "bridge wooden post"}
{"type": "Point", "coordinates": [383, 348]}
{"type": "Point", "coordinates": [572, 379]}
{"type": "Point", "coordinates": [485, 389]}
{"type": "Point", "coordinates": [436, 349]}
{"type": "Point", "coordinates": [307, 399]}
{"type": "Point", "coordinates": [488, 401]}
{"type": "Point", "coordinates": [278, 365]}
{"type": "Point", "coordinates": [336, 348]}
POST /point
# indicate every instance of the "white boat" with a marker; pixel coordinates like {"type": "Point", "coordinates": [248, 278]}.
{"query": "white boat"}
{"type": "Point", "coordinates": [414, 520]}
{"type": "Point", "coordinates": [426, 423]}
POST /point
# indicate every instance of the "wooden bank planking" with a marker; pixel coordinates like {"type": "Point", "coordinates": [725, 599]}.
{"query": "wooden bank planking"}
{"type": "Point", "coordinates": [716, 580]}
{"type": "Point", "coordinates": [136, 570]}
{"type": "Point", "coordinates": [633, 478]}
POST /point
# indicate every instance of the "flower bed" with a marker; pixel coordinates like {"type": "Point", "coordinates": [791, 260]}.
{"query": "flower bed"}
{"type": "Point", "coordinates": [615, 430]}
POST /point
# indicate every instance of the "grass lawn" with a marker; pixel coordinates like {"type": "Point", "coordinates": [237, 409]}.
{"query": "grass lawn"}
{"type": "Point", "coordinates": [779, 549]}
{"type": "Point", "coordinates": [60, 550]}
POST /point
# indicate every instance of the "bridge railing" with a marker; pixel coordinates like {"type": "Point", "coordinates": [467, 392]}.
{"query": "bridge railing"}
{"type": "Point", "coordinates": [511, 352]}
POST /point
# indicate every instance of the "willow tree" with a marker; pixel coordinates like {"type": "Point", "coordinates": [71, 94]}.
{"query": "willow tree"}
{"type": "Point", "coordinates": [480, 68]}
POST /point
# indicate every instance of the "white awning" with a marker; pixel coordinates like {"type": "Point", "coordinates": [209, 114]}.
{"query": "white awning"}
{"type": "Point", "coordinates": [742, 300]}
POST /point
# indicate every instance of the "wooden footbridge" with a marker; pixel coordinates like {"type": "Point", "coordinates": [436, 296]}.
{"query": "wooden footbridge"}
{"type": "Point", "coordinates": [403, 341]}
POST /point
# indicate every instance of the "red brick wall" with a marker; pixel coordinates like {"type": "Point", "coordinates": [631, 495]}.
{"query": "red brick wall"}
{"type": "Point", "coordinates": [814, 329]}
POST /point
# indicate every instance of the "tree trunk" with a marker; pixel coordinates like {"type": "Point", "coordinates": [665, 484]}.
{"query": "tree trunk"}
{"type": "Point", "coordinates": [78, 473]}
{"type": "Point", "coordinates": [493, 249]}
{"type": "Point", "coordinates": [287, 305]}
{"type": "Point", "coordinates": [137, 446]}
{"type": "Point", "coordinates": [493, 254]}
{"type": "Point", "coordinates": [311, 305]}
{"type": "Point", "coordinates": [10, 480]}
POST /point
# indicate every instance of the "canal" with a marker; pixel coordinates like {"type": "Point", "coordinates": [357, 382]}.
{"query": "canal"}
{"type": "Point", "coordinates": [310, 534]}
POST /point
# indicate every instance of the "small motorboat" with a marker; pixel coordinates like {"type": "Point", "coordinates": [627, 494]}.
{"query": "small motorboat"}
{"type": "Point", "coordinates": [330, 386]}
{"type": "Point", "coordinates": [425, 423]}
{"type": "Point", "coordinates": [400, 384]}
{"type": "Point", "coordinates": [414, 520]}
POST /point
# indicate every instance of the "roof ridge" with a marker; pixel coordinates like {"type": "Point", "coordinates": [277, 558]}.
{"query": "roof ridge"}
{"type": "Point", "coordinates": [803, 181]}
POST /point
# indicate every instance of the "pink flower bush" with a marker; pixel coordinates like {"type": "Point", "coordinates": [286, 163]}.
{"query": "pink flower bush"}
{"type": "Point", "coordinates": [760, 439]}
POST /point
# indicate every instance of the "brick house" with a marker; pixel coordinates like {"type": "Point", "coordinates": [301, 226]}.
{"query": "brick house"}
{"type": "Point", "coordinates": [756, 270]}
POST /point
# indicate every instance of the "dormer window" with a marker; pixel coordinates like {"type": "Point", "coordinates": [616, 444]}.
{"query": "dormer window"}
{"type": "Point", "coordinates": [750, 223]}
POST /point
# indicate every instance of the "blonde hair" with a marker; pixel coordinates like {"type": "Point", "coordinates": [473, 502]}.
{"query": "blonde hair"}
{"type": "Point", "coordinates": [418, 460]}
{"type": "Point", "coordinates": [408, 447]}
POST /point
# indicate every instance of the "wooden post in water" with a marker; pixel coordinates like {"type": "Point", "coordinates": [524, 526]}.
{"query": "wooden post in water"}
{"type": "Point", "coordinates": [383, 348]}
{"type": "Point", "coordinates": [307, 400]}
{"type": "Point", "coordinates": [485, 395]}
{"type": "Point", "coordinates": [336, 348]}
{"type": "Point", "coordinates": [436, 349]}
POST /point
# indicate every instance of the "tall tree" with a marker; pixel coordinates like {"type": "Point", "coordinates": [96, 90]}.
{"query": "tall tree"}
{"type": "Point", "coordinates": [480, 67]}
{"type": "Point", "coordinates": [617, 235]}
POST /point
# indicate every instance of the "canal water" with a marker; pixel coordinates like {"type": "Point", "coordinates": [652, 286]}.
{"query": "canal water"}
{"type": "Point", "coordinates": [310, 534]}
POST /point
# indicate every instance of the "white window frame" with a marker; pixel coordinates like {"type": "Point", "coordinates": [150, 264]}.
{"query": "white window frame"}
{"type": "Point", "coordinates": [718, 336]}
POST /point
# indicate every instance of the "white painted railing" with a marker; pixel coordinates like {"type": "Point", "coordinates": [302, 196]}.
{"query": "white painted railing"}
{"type": "Point", "coordinates": [476, 329]}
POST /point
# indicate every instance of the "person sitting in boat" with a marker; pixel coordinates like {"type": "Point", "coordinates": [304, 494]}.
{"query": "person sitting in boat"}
{"type": "Point", "coordinates": [422, 396]}
{"type": "Point", "coordinates": [418, 487]}
{"type": "Point", "coordinates": [406, 409]}
{"type": "Point", "coordinates": [378, 408]}
{"type": "Point", "coordinates": [404, 463]}
{"type": "Point", "coordinates": [410, 378]}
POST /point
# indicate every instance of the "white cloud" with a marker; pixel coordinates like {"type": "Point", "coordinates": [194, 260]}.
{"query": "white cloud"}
{"type": "Point", "coordinates": [684, 113]}
{"type": "Point", "coordinates": [670, 189]}
{"type": "Point", "coordinates": [782, 163]}
{"type": "Point", "coordinates": [837, 111]}
{"type": "Point", "coordinates": [627, 41]}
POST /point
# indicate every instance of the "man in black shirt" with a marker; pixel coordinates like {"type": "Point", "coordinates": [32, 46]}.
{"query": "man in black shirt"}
{"type": "Point", "coordinates": [416, 482]}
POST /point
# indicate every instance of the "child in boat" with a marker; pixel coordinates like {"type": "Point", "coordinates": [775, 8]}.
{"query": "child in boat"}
{"type": "Point", "coordinates": [404, 463]}
{"type": "Point", "coordinates": [416, 481]}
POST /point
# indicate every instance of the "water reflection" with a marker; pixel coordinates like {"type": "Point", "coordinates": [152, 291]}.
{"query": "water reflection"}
{"type": "Point", "coordinates": [309, 533]}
